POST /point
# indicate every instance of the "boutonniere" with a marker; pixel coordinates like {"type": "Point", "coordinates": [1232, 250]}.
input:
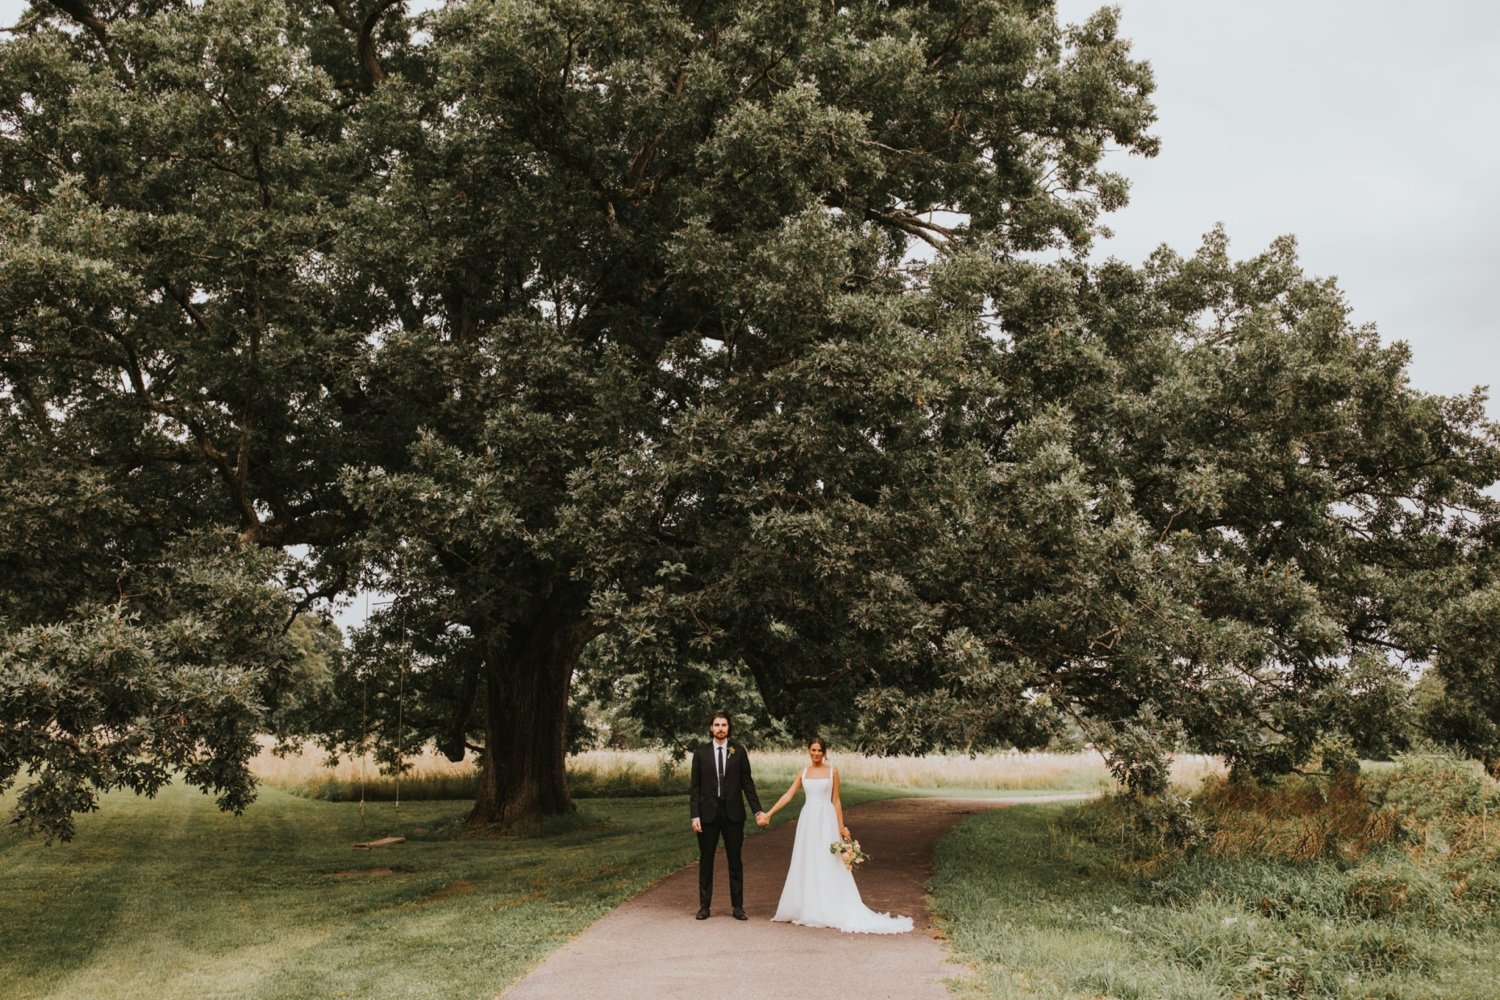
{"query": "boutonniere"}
{"type": "Point", "coordinates": [731, 751]}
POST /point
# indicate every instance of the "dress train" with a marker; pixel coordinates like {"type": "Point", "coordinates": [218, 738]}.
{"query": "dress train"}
{"type": "Point", "coordinates": [819, 890]}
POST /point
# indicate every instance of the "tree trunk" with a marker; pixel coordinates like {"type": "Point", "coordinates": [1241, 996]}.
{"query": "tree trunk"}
{"type": "Point", "coordinates": [523, 776]}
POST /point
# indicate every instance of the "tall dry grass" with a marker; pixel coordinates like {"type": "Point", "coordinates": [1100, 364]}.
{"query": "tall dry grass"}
{"type": "Point", "coordinates": [621, 771]}
{"type": "Point", "coordinates": [616, 773]}
{"type": "Point", "coordinates": [1431, 804]}
{"type": "Point", "coordinates": [1294, 821]}
{"type": "Point", "coordinates": [429, 775]}
{"type": "Point", "coordinates": [991, 772]}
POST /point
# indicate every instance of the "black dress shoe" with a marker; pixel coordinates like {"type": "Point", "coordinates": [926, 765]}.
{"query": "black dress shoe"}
{"type": "Point", "coordinates": [739, 914]}
{"type": "Point", "coordinates": [703, 913]}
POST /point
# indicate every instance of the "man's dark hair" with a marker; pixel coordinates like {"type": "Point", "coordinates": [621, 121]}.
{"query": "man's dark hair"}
{"type": "Point", "coordinates": [726, 718]}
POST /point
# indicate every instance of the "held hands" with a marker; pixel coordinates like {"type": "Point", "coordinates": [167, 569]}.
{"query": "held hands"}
{"type": "Point", "coordinates": [761, 819]}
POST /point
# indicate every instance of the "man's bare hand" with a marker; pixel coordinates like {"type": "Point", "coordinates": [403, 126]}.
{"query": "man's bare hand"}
{"type": "Point", "coordinates": [697, 825]}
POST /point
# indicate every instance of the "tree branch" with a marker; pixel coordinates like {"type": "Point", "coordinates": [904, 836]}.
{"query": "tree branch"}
{"type": "Point", "coordinates": [138, 457]}
{"type": "Point", "coordinates": [367, 55]}
{"type": "Point", "coordinates": [453, 747]}
{"type": "Point", "coordinates": [80, 12]}
{"type": "Point", "coordinates": [364, 32]}
{"type": "Point", "coordinates": [820, 683]}
{"type": "Point", "coordinates": [315, 529]}
{"type": "Point", "coordinates": [193, 312]}
{"type": "Point", "coordinates": [921, 228]}
{"type": "Point", "coordinates": [959, 33]}
{"type": "Point", "coordinates": [328, 591]}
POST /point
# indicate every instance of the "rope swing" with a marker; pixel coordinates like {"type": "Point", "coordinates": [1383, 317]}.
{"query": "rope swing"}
{"type": "Point", "coordinates": [401, 697]}
{"type": "Point", "coordinates": [402, 662]}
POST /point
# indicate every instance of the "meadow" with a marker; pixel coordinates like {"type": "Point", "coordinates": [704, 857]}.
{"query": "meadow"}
{"type": "Point", "coordinates": [1384, 886]}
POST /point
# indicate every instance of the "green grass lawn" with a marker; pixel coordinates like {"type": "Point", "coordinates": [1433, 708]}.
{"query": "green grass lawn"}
{"type": "Point", "coordinates": [1040, 913]}
{"type": "Point", "coordinates": [170, 898]}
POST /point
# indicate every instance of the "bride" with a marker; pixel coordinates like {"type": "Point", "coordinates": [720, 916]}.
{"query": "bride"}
{"type": "Point", "coordinates": [819, 890]}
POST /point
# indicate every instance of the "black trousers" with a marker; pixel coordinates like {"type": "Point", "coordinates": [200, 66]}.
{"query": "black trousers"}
{"type": "Point", "coordinates": [708, 842]}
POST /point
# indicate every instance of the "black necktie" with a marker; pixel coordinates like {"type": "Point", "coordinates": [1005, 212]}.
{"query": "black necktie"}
{"type": "Point", "coordinates": [721, 772]}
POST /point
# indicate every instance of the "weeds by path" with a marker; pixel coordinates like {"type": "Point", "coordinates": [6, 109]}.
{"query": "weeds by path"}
{"type": "Point", "coordinates": [1384, 892]}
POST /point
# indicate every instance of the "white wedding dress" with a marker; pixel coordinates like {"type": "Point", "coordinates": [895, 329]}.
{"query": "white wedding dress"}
{"type": "Point", "coordinates": [819, 890]}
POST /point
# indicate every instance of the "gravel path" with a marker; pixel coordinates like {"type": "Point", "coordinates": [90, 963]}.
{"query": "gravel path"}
{"type": "Point", "coordinates": [651, 948]}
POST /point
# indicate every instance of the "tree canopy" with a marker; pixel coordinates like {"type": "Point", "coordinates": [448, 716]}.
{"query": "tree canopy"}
{"type": "Point", "coordinates": [730, 343]}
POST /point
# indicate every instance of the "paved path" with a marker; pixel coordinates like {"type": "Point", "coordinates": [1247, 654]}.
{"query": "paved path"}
{"type": "Point", "coordinates": [651, 948]}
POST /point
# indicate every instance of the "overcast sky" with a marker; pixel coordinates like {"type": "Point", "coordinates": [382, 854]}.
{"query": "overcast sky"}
{"type": "Point", "coordinates": [1370, 129]}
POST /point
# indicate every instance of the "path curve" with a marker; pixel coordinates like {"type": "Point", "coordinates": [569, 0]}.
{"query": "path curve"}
{"type": "Point", "coordinates": [651, 948]}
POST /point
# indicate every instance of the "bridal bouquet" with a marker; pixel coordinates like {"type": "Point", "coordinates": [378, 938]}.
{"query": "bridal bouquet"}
{"type": "Point", "coordinates": [848, 852]}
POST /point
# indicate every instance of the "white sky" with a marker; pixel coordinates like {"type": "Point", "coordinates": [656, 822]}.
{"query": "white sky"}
{"type": "Point", "coordinates": [1370, 129]}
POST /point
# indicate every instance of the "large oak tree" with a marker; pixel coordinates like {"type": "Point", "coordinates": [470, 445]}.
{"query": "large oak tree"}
{"type": "Point", "coordinates": [581, 325]}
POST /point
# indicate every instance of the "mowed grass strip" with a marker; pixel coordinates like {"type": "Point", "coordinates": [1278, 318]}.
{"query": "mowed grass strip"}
{"type": "Point", "coordinates": [1040, 913]}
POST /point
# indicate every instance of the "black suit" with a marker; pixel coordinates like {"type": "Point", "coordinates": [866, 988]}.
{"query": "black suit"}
{"type": "Point", "coordinates": [722, 812]}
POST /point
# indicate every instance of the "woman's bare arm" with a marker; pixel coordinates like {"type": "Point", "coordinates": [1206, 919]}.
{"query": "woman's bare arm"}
{"type": "Point", "coordinates": [838, 806]}
{"type": "Point", "coordinates": [796, 784]}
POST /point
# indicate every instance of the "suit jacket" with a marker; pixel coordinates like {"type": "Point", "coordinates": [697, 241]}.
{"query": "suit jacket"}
{"type": "Point", "coordinates": [739, 785]}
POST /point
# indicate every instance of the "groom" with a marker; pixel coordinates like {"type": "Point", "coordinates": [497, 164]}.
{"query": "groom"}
{"type": "Point", "coordinates": [721, 774]}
